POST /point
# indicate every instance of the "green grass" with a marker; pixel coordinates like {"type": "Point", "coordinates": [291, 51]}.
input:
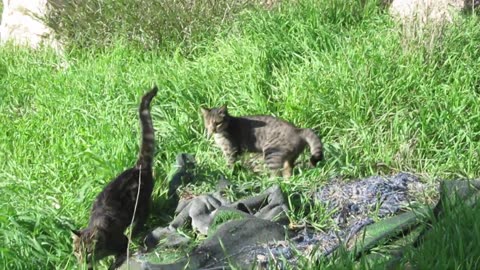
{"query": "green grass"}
{"type": "Point", "coordinates": [338, 68]}
{"type": "Point", "coordinates": [145, 24]}
{"type": "Point", "coordinates": [457, 231]}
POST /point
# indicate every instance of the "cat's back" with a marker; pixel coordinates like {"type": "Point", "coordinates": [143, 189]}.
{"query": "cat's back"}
{"type": "Point", "coordinates": [265, 123]}
{"type": "Point", "coordinates": [113, 203]}
{"type": "Point", "coordinates": [114, 193]}
{"type": "Point", "coordinates": [255, 131]}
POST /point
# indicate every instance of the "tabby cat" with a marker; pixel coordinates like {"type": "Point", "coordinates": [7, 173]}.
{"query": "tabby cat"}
{"type": "Point", "coordinates": [113, 208]}
{"type": "Point", "coordinates": [279, 141]}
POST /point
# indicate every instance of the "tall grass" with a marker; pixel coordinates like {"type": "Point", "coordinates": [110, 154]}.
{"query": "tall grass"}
{"type": "Point", "coordinates": [451, 242]}
{"type": "Point", "coordinates": [146, 24]}
{"type": "Point", "coordinates": [338, 68]}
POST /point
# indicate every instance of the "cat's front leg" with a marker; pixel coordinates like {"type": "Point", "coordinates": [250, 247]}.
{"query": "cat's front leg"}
{"type": "Point", "coordinates": [229, 148]}
{"type": "Point", "coordinates": [119, 245]}
{"type": "Point", "coordinates": [231, 155]}
{"type": "Point", "coordinates": [119, 260]}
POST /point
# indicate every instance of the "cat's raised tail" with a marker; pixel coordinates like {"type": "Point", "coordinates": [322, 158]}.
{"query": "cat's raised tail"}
{"type": "Point", "coordinates": [147, 149]}
{"type": "Point", "coordinates": [316, 146]}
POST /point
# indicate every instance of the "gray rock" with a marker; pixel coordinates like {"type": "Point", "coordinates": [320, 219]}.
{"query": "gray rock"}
{"type": "Point", "coordinates": [21, 24]}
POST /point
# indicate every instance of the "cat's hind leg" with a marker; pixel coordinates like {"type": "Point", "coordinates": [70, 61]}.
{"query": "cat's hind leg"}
{"type": "Point", "coordinates": [287, 168]}
{"type": "Point", "coordinates": [119, 245]}
{"type": "Point", "coordinates": [141, 218]}
{"type": "Point", "coordinates": [274, 160]}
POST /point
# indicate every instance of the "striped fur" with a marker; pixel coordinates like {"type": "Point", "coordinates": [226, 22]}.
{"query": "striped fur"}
{"type": "Point", "coordinates": [112, 211]}
{"type": "Point", "coordinates": [316, 147]}
{"type": "Point", "coordinates": [147, 149]}
{"type": "Point", "coordinates": [280, 142]}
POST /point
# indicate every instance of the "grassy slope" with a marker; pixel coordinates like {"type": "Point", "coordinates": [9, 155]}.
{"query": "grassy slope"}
{"type": "Point", "coordinates": [66, 132]}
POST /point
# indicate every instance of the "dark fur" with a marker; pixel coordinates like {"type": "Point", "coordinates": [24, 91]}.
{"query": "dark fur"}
{"type": "Point", "coordinates": [113, 208]}
{"type": "Point", "coordinates": [280, 142]}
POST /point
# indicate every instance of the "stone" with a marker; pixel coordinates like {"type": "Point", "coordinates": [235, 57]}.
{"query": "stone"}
{"type": "Point", "coordinates": [22, 25]}
{"type": "Point", "coordinates": [424, 11]}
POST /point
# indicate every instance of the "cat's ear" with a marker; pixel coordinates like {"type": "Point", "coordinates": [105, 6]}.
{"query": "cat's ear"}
{"type": "Point", "coordinates": [223, 110]}
{"type": "Point", "coordinates": [204, 110]}
{"type": "Point", "coordinates": [76, 233]}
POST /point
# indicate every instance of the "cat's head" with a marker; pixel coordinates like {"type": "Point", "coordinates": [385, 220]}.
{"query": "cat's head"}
{"type": "Point", "coordinates": [88, 247]}
{"type": "Point", "coordinates": [216, 120]}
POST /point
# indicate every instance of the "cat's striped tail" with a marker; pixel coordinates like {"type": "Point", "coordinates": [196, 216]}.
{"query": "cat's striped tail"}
{"type": "Point", "coordinates": [316, 146]}
{"type": "Point", "coordinates": [147, 149]}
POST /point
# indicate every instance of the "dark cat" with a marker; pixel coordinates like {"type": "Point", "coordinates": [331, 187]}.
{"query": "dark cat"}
{"type": "Point", "coordinates": [113, 208]}
{"type": "Point", "coordinates": [279, 141]}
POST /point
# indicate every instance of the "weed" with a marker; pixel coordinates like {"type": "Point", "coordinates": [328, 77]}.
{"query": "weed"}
{"type": "Point", "coordinates": [65, 132]}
